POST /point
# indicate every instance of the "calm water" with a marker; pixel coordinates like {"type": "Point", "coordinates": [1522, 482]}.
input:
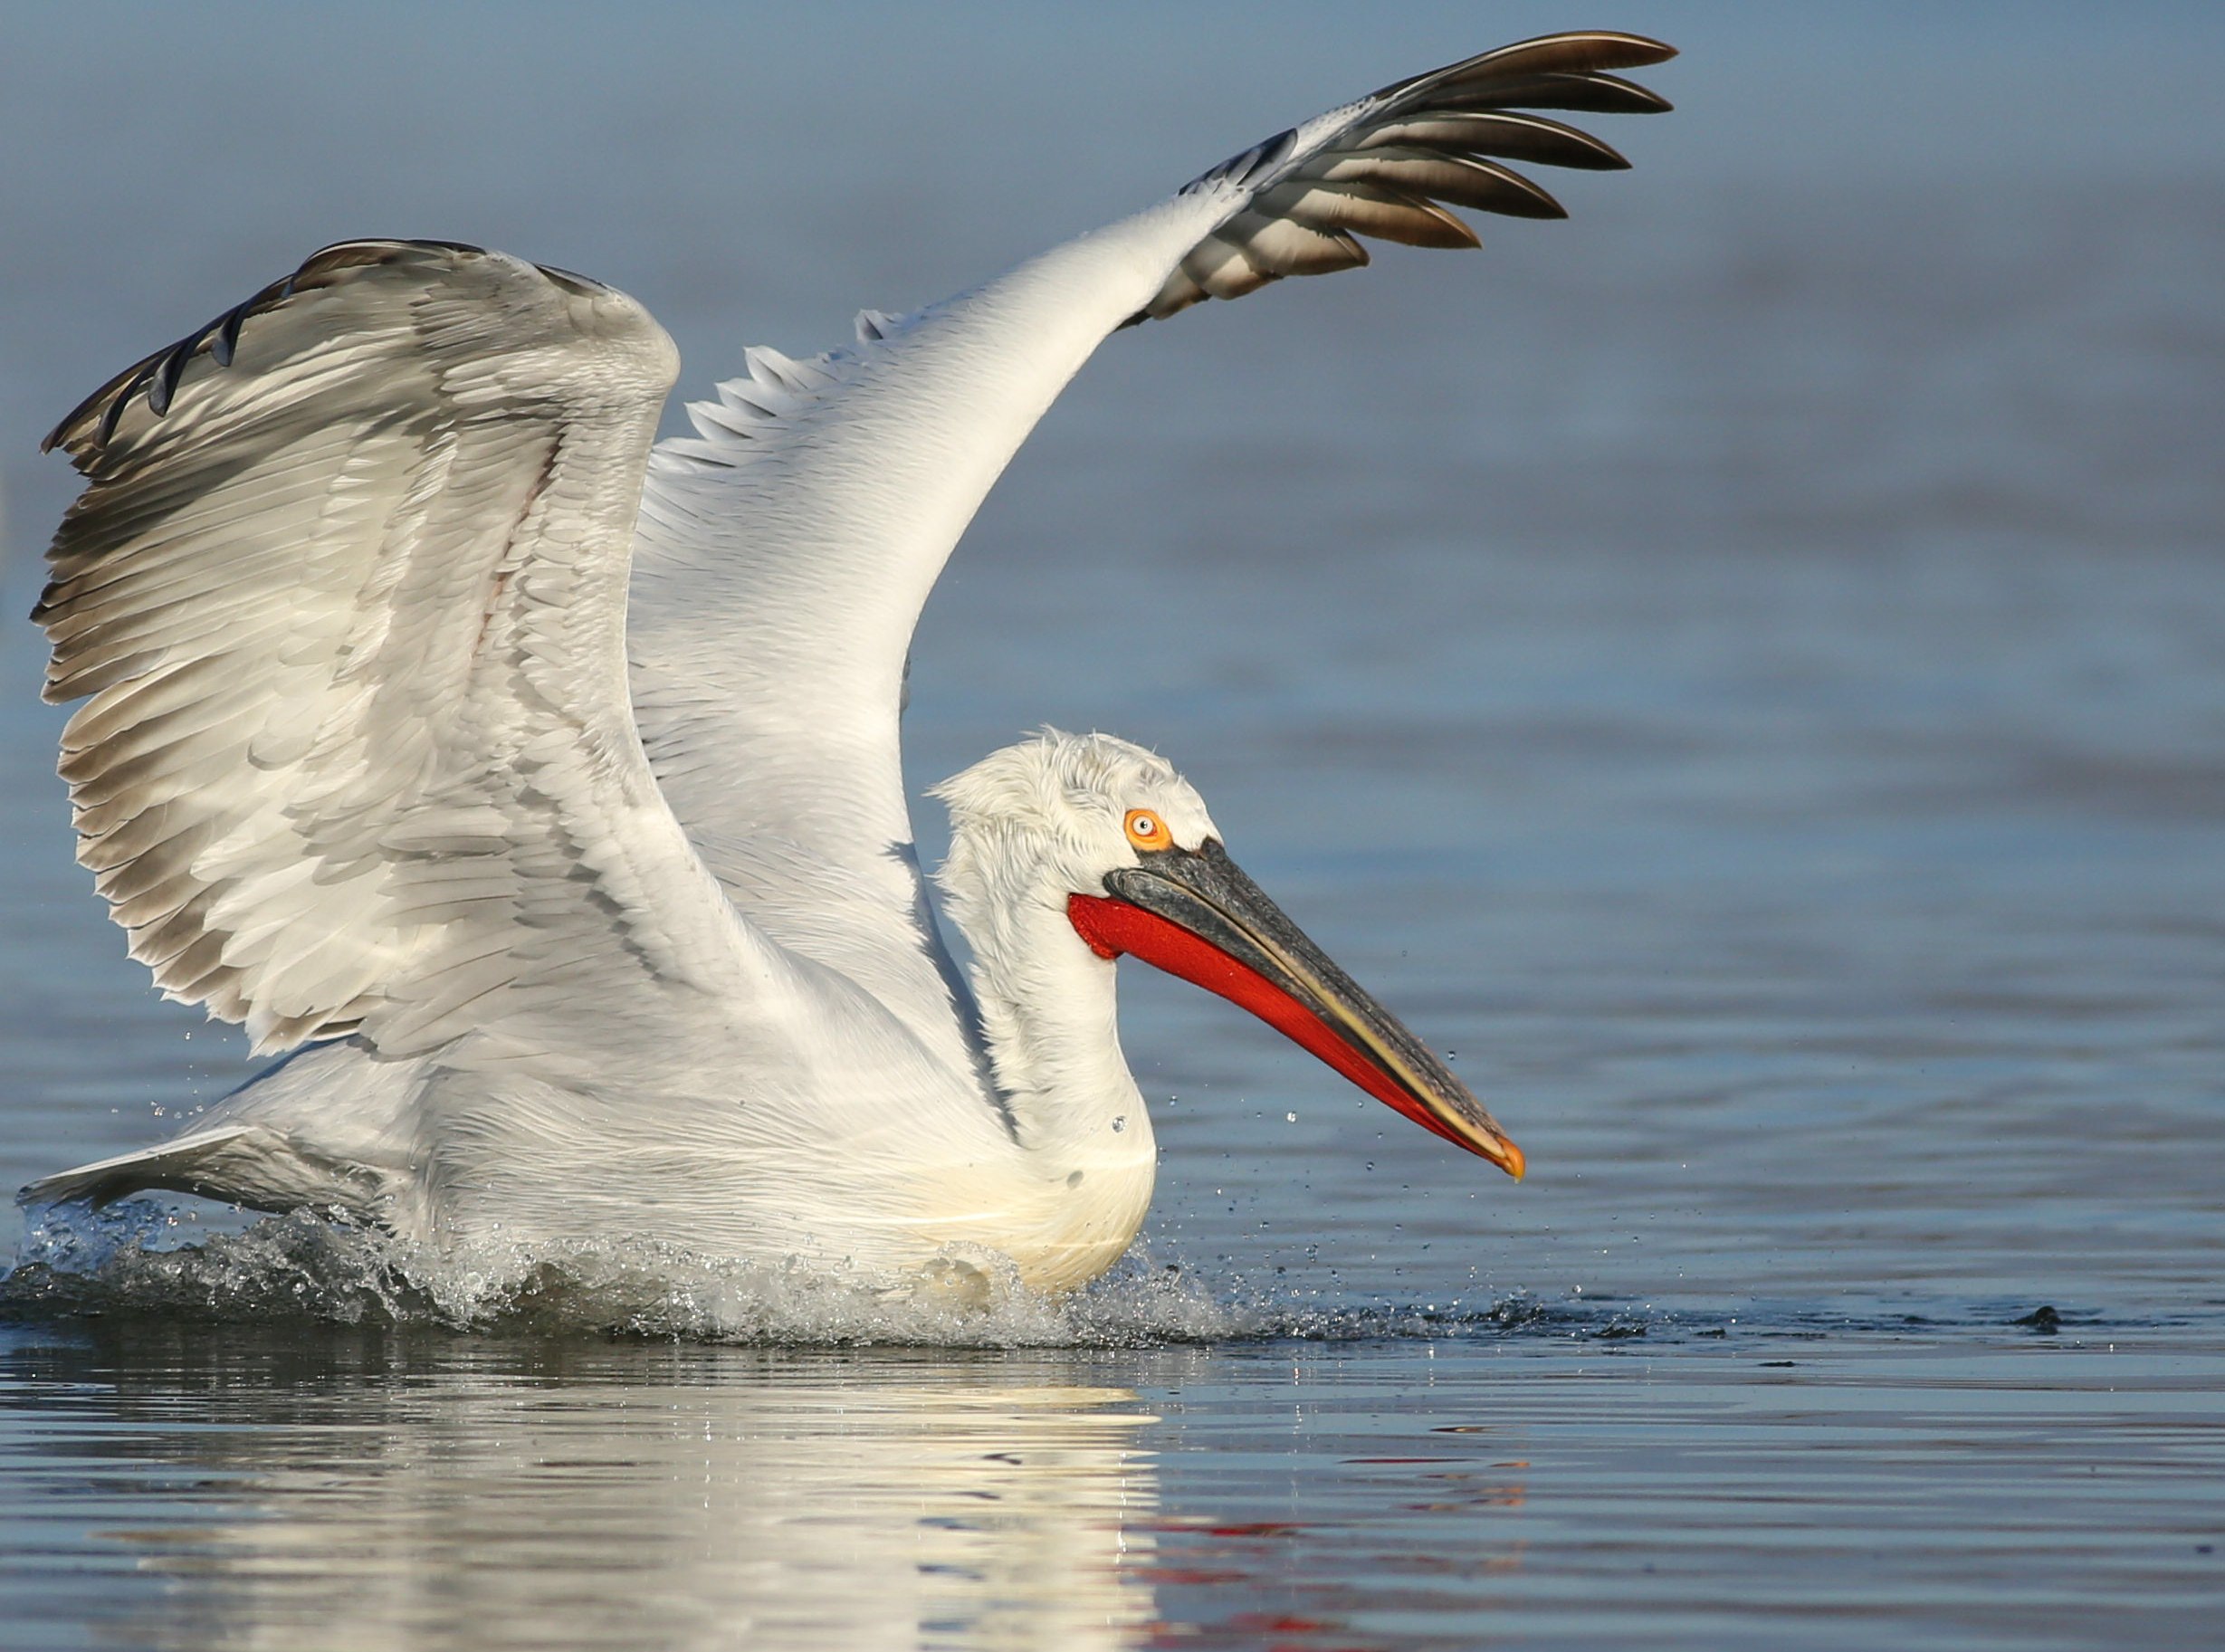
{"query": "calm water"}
{"type": "Point", "coordinates": [1743, 669]}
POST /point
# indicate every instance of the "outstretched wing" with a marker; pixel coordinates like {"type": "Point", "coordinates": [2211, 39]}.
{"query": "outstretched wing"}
{"type": "Point", "coordinates": [786, 549]}
{"type": "Point", "coordinates": [346, 590]}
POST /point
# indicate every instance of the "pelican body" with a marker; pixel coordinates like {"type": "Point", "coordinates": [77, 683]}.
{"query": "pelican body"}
{"type": "Point", "coordinates": [576, 923]}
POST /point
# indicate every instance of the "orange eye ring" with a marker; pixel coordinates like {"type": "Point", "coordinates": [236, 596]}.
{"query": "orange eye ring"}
{"type": "Point", "coordinates": [1146, 830]}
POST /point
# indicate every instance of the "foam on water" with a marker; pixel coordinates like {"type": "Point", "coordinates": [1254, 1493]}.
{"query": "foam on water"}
{"type": "Point", "coordinates": [129, 1260]}
{"type": "Point", "coordinates": [142, 1258]}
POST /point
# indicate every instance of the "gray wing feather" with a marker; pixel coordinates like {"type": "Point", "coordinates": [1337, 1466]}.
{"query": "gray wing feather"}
{"type": "Point", "coordinates": [345, 594]}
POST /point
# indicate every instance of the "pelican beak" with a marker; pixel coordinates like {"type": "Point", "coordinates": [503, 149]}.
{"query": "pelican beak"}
{"type": "Point", "coordinates": [1195, 914]}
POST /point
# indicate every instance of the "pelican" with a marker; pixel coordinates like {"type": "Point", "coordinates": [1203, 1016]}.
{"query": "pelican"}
{"type": "Point", "coordinates": [576, 924]}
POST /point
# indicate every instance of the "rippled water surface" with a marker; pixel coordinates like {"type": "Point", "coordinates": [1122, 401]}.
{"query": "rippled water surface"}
{"type": "Point", "coordinates": [1742, 669]}
{"type": "Point", "coordinates": [327, 1487]}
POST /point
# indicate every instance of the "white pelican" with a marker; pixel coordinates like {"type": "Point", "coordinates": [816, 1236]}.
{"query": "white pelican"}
{"type": "Point", "coordinates": [567, 954]}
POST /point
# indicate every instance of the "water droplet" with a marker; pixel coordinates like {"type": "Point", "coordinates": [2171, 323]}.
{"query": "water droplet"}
{"type": "Point", "coordinates": [1119, 1123]}
{"type": "Point", "coordinates": [1290, 1118]}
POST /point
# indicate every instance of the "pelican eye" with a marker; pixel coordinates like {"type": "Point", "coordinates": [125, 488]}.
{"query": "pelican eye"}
{"type": "Point", "coordinates": [1146, 830]}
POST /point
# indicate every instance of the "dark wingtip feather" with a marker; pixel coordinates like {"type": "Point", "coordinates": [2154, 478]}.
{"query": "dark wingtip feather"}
{"type": "Point", "coordinates": [162, 383]}
{"type": "Point", "coordinates": [226, 340]}
{"type": "Point", "coordinates": [1517, 197]}
{"type": "Point", "coordinates": [159, 375]}
{"type": "Point", "coordinates": [1590, 93]}
{"type": "Point", "coordinates": [1575, 55]}
{"type": "Point", "coordinates": [1572, 52]}
{"type": "Point", "coordinates": [1392, 163]}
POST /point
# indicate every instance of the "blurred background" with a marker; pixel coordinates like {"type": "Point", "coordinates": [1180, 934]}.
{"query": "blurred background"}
{"type": "Point", "coordinates": [1743, 667]}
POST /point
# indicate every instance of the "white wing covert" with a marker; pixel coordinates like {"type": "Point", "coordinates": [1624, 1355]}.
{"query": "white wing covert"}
{"type": "Point", "coordinates": [786, 549]}
{"type": "Point", "coordinates": [345, 588]}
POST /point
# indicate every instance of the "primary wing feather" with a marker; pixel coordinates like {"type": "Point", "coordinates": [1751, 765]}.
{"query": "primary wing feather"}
{"type": "Point", "coordinates": [1390, 164]}
{"type": "Point", "coordinates": [345, 594]}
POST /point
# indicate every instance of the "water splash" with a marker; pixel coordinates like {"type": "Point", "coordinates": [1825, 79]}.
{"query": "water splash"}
{"type": "Point", "coordinates": [127, 1260]}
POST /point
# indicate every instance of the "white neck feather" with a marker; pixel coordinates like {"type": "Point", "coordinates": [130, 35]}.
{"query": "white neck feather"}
{"type": "Point", "coordinates": [1046, 1001]}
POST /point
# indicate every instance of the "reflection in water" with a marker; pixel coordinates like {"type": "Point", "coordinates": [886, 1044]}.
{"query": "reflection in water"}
{"type": "Point", "coordinates": [365, 1495]}
{"type": "Point", "coordinates": [179, 1485]}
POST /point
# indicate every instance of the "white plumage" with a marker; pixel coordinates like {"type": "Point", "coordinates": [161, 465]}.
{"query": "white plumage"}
{"type": "Point", "coordinates": [576, 950]}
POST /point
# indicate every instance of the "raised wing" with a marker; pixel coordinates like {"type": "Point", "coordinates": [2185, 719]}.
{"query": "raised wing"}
{"type": "Point", "coordinates": [786, 549]}
{"type": "Point", "coordinates": [345, 588]}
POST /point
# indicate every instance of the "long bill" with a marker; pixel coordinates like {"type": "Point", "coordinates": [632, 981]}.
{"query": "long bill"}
{"type": "Point", "coordinates": [1194, 913]}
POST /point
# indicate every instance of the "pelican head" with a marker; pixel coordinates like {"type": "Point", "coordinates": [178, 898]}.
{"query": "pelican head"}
{"type": "Point", "coordinates": [1089, 835]}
